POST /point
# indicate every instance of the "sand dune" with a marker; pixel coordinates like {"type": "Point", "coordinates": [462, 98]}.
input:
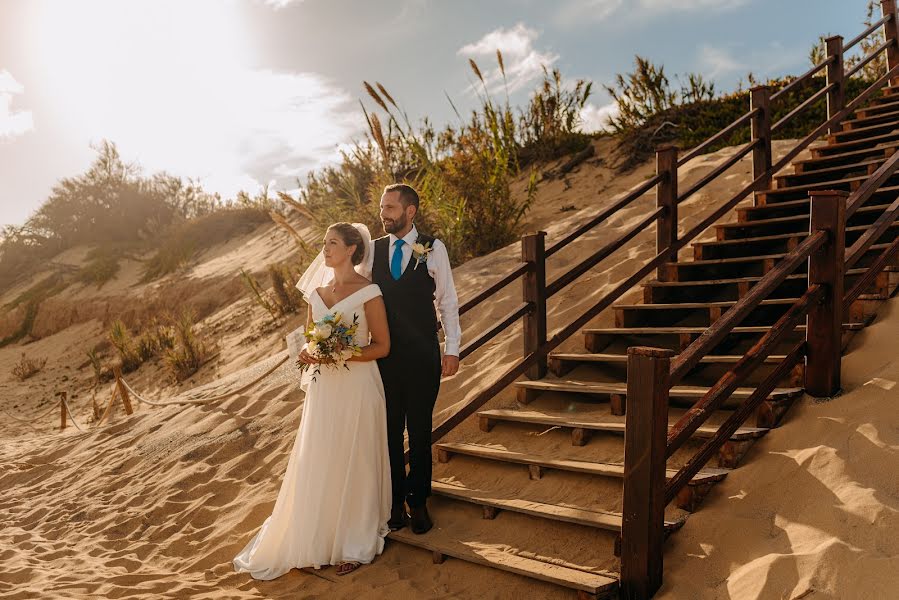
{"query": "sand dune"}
{"type": "Point", "coordinates": [155, 505]}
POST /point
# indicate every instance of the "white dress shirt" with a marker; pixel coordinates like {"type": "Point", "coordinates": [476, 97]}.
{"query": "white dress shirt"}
{"type": "Point", "coordinates": [445, 299]}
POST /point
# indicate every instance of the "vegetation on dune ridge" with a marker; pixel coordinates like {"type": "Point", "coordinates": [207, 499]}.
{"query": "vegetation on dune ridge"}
{"type": "Point", "coordinates": [463, 172]}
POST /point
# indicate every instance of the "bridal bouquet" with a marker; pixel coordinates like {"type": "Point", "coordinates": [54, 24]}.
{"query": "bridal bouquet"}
{"type": "Point", "coordinates": [332, 340]}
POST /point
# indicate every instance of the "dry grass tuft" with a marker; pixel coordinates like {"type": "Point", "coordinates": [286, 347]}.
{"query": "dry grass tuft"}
{"type": "Point", "coordinates": [189, 352]}
{"type": "Point", "coordinates": [27, 367]}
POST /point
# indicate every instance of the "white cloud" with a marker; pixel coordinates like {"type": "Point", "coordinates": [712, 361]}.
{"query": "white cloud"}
{"type": "Point", "coordinates": [279, 4]}
{"type": "Point", "coordinates": [523, 63]}
{"type": "Point", "coordinates": [688, 5]}
{"type": "Point", "coordinates": [179, 94]}
{"type": "Point", "coordinates": [577, 12]}
{"type": "Point", "coordinates": [13, 123]}
{"type": "Point", "coordinates": [596, 118]}
{"type": "Point", "coordinates": [717, 61]}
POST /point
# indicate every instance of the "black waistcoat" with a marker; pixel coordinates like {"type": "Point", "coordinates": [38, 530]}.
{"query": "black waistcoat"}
{"type": "Point", "coordinates": [409, 300]}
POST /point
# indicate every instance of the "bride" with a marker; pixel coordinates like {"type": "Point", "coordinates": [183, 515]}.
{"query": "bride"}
{"type": "Point", "coordinates": [334, 502]}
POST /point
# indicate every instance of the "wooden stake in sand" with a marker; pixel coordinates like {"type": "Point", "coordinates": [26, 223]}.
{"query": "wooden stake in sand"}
{"type": "Point", "coordinates": [62, 410]}
{"type": "Point", "coordinates": [123, 391]}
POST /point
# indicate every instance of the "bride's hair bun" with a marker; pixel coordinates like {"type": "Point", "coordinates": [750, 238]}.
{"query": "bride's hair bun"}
{"type": "Point", "coordinates": [351, 237]}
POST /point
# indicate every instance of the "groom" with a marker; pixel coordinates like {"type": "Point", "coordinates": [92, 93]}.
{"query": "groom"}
{"type": "Point", "coordinates": [413, 272]}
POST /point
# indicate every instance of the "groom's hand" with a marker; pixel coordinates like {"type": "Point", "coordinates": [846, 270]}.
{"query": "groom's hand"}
{"type": "Point", "coordinates": [450, 365]}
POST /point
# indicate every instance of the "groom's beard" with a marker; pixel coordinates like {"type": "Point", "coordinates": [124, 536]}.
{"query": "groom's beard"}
{"type": "Point", "coordinates": [394, 226]}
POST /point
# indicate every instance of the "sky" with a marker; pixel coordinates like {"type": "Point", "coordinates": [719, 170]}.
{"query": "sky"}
{"type": "Point", "coordinates": [245, 93]}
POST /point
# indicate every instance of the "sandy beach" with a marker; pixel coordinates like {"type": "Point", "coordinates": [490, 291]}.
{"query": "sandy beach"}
{"type": "Point", "coordinates": [156, 504]}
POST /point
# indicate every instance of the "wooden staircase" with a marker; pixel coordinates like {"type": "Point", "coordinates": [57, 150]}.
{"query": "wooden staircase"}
{"type": "Point", "coordinates": [565, 430]}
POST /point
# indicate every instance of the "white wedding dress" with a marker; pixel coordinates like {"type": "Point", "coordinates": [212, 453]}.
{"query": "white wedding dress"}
{"type": "Point", "coordinates": [334, 502]}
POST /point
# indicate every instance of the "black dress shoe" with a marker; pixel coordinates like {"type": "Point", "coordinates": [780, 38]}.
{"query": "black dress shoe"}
{"type": "Point", "coordinates": [398, 518]}
{"type": "Point", "coordinates": [420, 519]}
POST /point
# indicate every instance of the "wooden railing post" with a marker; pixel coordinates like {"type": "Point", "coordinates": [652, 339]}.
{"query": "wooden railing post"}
{"type": "Point", "coordinates": [825, 319]}
{"type": "Point", "coordinates": [645, 441]}
{"type": "Point", "coordinates": [666, 197]}
{"type": "Point", "coordinates": [760, 132]}
{"type": "Point", "coordinates": [533, 251]}
{"type": "Point", "coordinates": [891, 33]}
{"type": "Point", "coordinates": [123, 391]}
{"type": "Point", "coordinates": [62, 410]}
{"type": "Point", "coordinates": [836, 97]}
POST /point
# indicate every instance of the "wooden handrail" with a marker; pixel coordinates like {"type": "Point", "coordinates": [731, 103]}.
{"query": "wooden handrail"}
{"type": "Point", "coordinates": [712, 336]}
{"type": "Point", "coordinates": [603, 215]}
{"type": "Point", "coordinates": [872, 234]}
{"type": "Point", "coordinates": [535, 356]}
{"type": "Point", "coordinates": [864, 192]}
{"type": "Point", "coordinates": [861, 65]}
{"type": "Point", "coordinates": [717, 171]}
{"type": "Point", "coordinates": [808, 102]}
{"type": "Point", "coordinates": [743, 120]}
{"type": "Point", "coordinates": [595, 258]}
{"type": "Point", "coordinates": [718, 213]}
{"type": "Point", "coordinates": [498, 327]}
{"type": "Point", "coordinates": [821, 304]}
{"type": "Point", "coordinates": [846, 111]}
{"type": "Point", "coordinates": [517, 272]}
{"type": "Point", "coordinates": [802, 78]}
{"type": "Point", "coordinates": [867, 31]}
{"type": "Point", "coordinates": [733, 422]}
{"type": "Point", "coordinates": [724, 387]}
{"type": "Point", "coordinates": [870, 274]}
{"type": "Point", "coordinates": [521, 366]}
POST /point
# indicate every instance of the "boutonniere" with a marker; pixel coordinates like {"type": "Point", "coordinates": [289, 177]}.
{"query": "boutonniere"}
{"type": "Point", "coordinates": [420, 252]}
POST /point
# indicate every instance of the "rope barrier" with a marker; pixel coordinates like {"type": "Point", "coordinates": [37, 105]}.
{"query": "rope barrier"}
{"type": "Point", "coordinates": [34, 418]}
{"type": "Point", "coordinates": [127, 389]}
{"type": "Point", "coordinates": [71, 416]}
{"type": "Point", "coordinates": [115, 392]}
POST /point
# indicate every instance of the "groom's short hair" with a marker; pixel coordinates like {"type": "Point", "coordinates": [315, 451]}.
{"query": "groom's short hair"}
{"type": "Point", "coordinates": [408, 195]}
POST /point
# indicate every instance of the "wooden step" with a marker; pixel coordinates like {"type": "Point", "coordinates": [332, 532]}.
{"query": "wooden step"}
{"type": "Point", "coordinates": [569, 421]}
{"type": "Point", "coordinates": [775, 244]}
{"type": "Point", "coordinates": [441, 543]}
{"type": "Point", "coordinates": [867, 213]}
{"type": "Point", "coordinates": [735, 288]}
{"type": "Point", "coordinates": [740, 266]}
{"type": "Point", "coordinates": [877, 109]}
{"type": "Point", "coordinates": [698, 313]}
{"type": "Point", "coordinates": [590, 357]}
{"type": "Point", "coordinates": [847, 184]}
{"type": "Point", "coordinates": [863, 132]}
{"type": "Point", "coordinates": [555, 512]}
{"type": "Point", "coordinates": [615, 470]}
{"type": "Point", "coordinates": [582, 429]}
{"type": "Point", "coordinates": [682, 392]}
{"type": "Point", "coordinates": [598, 339]}
{"type": "Point", "coordinates": [860, 122]}
{"type": "Point", "coordinates": [801, 207]}
{"type": "Point", "coordinates": [695, 330]}
{"type": "Point", "coordinates": [865, 167]}
{"type": "Point", "coordinates": [843, 147]}
{"type": "Point", "coordinates": [808, 165]}
{"type": "Point", "coordinates": [723, 304]}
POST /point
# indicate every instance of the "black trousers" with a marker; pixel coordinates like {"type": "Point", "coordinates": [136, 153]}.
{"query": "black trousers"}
{"type": "Point", "coordinates": [411, 376]}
